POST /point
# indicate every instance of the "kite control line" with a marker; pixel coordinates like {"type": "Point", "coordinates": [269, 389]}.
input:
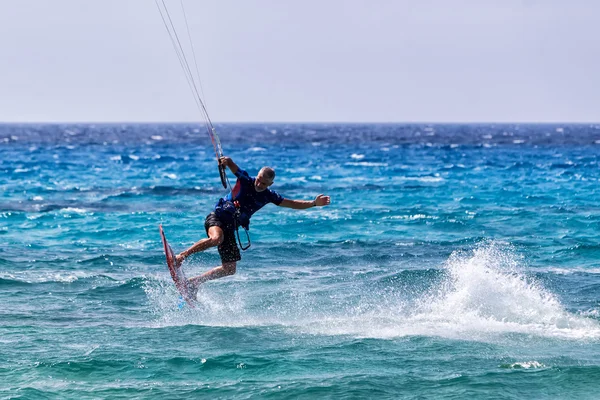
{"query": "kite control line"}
{"type": "Point", "coordinates": [191, 80]}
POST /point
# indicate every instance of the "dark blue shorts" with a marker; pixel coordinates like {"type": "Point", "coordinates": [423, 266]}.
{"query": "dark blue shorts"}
{"type": "Point", "coordinates": [228, 250]}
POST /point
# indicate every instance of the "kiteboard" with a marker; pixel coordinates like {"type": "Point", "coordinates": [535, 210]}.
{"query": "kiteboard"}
{"type": "Point", "coordinates": [176, 271]}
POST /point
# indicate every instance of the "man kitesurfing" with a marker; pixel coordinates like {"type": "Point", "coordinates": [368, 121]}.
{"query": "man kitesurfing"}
{"type": "Point", "coordinates": [233, 211]}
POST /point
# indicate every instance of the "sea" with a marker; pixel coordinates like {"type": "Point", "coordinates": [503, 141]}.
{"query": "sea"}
{"type": "Point", "coordinates": [455, 261]}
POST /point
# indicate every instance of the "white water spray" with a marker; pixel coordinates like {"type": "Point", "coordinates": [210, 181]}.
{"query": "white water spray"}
{"type": "Point", "coordinates": [484, 295]}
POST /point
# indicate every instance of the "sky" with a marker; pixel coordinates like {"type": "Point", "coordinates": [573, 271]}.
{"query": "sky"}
{"type": "Point", "coordinates": [302, 61]}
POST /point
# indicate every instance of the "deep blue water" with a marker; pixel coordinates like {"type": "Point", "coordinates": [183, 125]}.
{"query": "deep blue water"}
{"type": "Point", "coordinates": [455, 261]}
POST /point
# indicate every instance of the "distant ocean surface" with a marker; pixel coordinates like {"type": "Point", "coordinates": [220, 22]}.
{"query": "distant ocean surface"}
{"type": "Point", "coordinates": [455, 262]}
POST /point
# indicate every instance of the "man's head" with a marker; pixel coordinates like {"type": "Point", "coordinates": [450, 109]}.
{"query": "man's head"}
{"type": "Point", "coordinates": [264, 179]}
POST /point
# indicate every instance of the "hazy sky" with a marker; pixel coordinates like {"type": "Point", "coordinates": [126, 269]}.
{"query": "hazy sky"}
{"type": "Point", "coordinates": [303, 61]}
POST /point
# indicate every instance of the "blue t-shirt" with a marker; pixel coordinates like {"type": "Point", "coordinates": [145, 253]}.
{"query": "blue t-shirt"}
{"type": "Point", "coordinates": [249, 199]}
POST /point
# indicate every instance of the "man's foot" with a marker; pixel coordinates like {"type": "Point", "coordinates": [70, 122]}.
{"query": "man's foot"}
{"type": "Point", "coordinates": [178, 260]}
{"type": "Point", "coordinates": [193, 288]}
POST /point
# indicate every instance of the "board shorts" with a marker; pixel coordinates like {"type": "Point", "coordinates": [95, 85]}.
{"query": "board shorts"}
{"type": "Point", "coordinates": [228, 249]}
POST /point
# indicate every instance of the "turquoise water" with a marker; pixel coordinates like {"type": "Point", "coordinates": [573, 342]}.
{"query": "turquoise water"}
{"type": "Point", "coordinates": [455, 261]}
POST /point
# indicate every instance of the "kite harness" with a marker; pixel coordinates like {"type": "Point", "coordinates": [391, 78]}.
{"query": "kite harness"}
{"type": "Point", "coordinates": [236, 217]}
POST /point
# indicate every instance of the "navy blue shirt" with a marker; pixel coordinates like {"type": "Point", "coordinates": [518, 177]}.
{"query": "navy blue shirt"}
{"type": "Point", "coordinates": [249, 199]}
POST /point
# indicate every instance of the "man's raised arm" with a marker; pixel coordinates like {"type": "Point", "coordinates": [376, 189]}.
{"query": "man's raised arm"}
{"type": "Point", "coordinates": [229, 163]}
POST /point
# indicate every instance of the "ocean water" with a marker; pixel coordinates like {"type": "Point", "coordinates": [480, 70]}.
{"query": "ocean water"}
{"type": "Point", "coordinates": [455, 261]}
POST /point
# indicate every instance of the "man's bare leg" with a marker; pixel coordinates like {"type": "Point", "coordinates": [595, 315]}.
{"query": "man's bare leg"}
{"type": "Point", "coordinates": [215, 238]}
{"type": "Point", "coordinates": [218, 272]}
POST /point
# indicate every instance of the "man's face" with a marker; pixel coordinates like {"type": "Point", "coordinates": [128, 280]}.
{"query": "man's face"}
{"type": "Point", "coordinates": [261, 183]}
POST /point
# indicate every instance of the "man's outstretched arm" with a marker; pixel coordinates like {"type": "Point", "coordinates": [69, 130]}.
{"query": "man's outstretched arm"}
{"type": "Point", "coordinates": [319, 201]}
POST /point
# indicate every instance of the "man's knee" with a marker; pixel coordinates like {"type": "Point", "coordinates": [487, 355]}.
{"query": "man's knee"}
{"type": "Point", "coordinates": [215, 241]}
{"type": "Point", "coordinates": [229, 268]}
{"type": "Point", "coordinates": [215, 235]}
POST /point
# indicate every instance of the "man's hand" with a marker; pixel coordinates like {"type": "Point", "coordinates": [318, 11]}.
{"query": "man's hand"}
{"type": "Point", "coordinates": [322, 200]}
{"type": "Point", "coordinates": [225, 161]}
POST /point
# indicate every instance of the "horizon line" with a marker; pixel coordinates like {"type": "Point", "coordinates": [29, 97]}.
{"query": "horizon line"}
{"type": "Point", "coordinates": [302, 122]}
